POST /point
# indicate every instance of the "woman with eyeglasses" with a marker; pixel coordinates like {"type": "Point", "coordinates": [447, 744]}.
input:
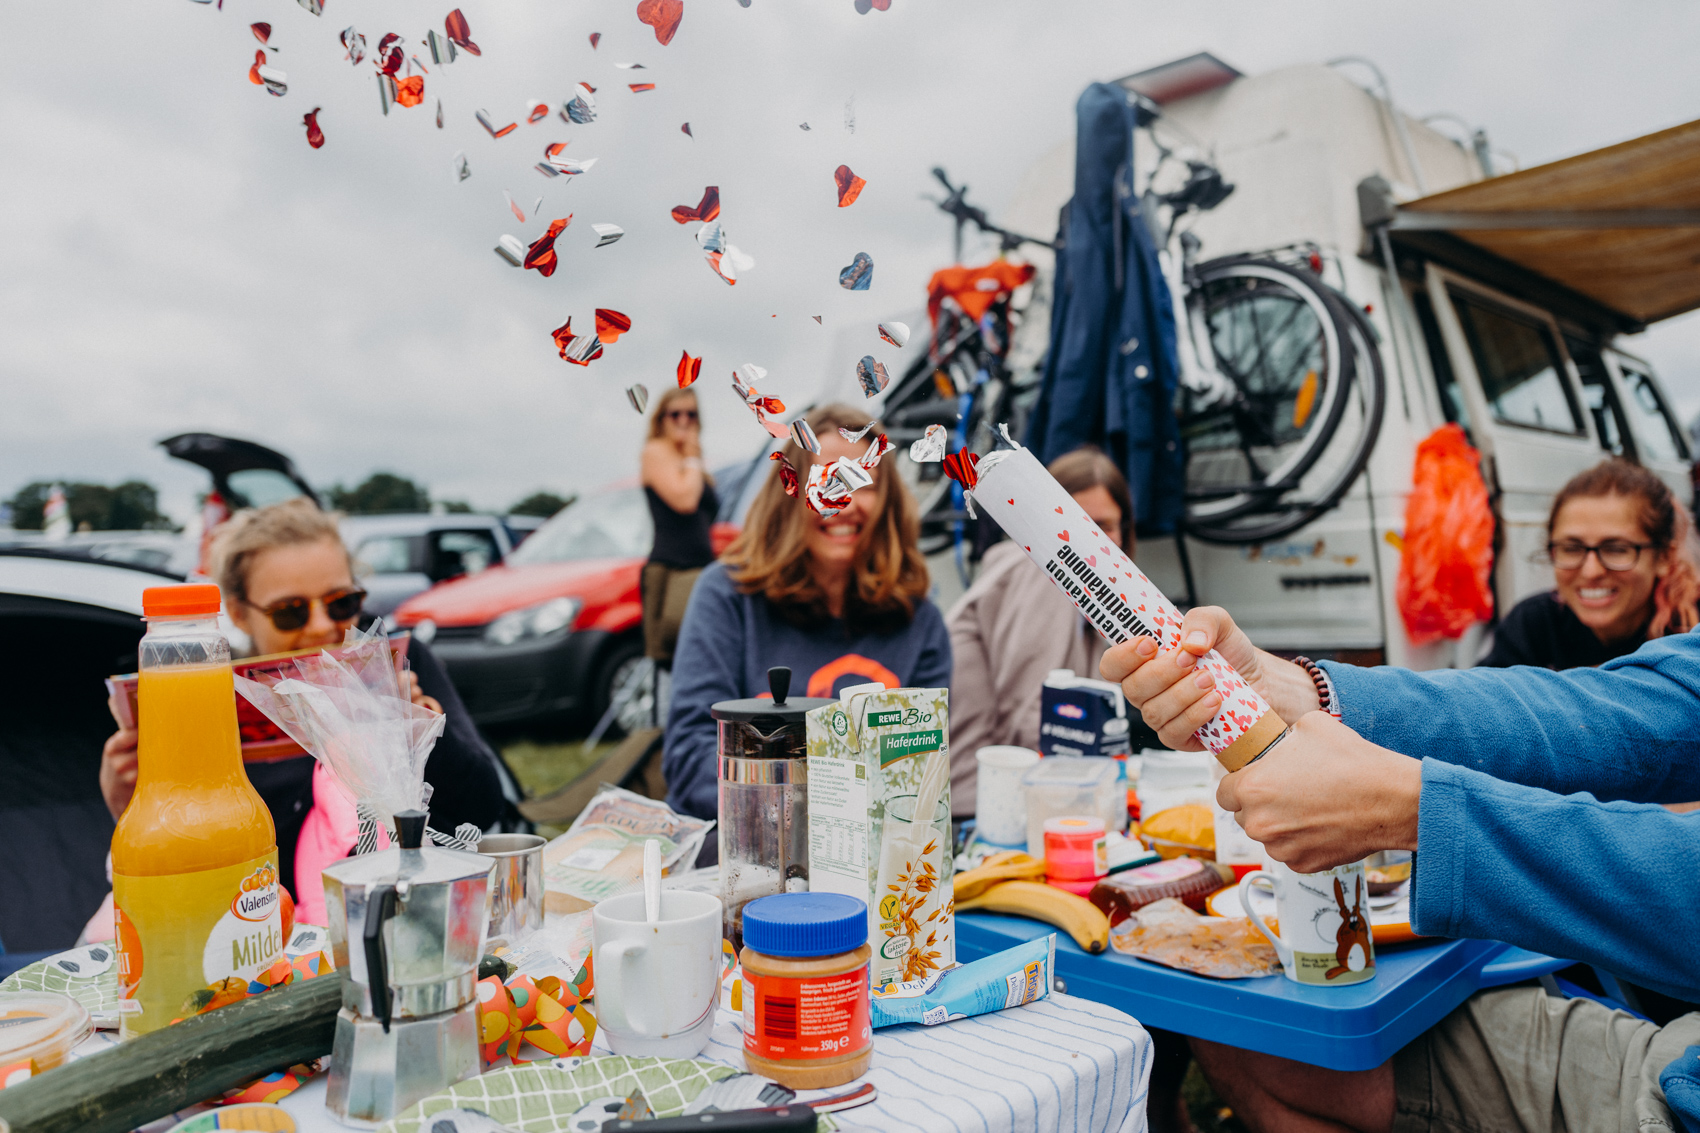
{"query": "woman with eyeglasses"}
{"type": "Point", "coordinates": [288, 583]}
{"type": "Point", "coordinates": [682, 505]}
{"type": "Point", "coordinates": [1622, 555]}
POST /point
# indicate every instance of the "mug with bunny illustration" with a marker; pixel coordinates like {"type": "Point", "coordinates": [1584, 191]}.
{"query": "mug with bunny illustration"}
{"type": "Point", "coordinates": [1321, 929]}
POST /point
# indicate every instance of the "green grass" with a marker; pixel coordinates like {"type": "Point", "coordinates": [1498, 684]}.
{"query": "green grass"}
{"type": "Point", "coordinates": [541, 766]}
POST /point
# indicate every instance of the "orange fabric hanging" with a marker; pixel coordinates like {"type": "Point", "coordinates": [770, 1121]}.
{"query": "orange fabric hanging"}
{"type": "Point", "coordinates": [974, 289]}
{"type": "Point", "coordinates": [1445, 570]}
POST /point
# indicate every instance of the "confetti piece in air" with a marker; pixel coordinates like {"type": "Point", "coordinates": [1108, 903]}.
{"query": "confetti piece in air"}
{"type": "Point", "coordinates": [537, 208]}
{"type": "Point", "coordinates": [639, 88]}
{"type": "Point", "coordinates": [862, 6]}
{"type": "Point", "coordinates": [569, 166]}
{"type": "Point", "coordinates": [595, 38]}
{"type": "Point", "coordinates": [389, 56]}
{"type": "Point", "coordinates": [541, 255]}
{"type": "Point", "coordinates": [707, 209]}
{"type": "Point", "coordinates": [804, 434]}
{"type": "Point", "coordinates": [536, 111]}
{"type": "Point", "coordinates": [859, 274]}
{"type": "Point", "coordinates": [440, 49]}
{"type": "Point", "coordinates": [439, 114]}
{"type": "Point", "coordinates": [930, 447]}
{"type": "Point", "coordinates": [607, 233]}
{"type": "Point", "coordinates": [872, 375]}
{"type": "Point", "coordinates": [850, 186]}
{"type": "Point", "coordinates": [262, 32]}
{"type": "Point", "coordinates": [275, 80]}
{"type": "Point", "coordinates": [354, 44]}
{"type": "Point", "coordinates": [744, 386]}
{"type": "Point", "coordinates": [386, 93]}
{"type": "Point", "coordinates": [513, 206]}
{"type": "Point", "coordinates": [454, 24]}
{"type": "Point", "coordinates": [804, 126]}
{"type": "Point", "coordinates": [877, 448]}
{"type": "Point", "coordinates": [895, 333]}
{"type": "Point", "coordinates": [483, 117]}
{"type": "Point", "coordinates": [582, 108]}
{"type": "Point", "coordinates": [579, 349]}
{"type": "Point", "coordinates": [857, 435]}
{"type": "Point", "coordinates": [725, 258]}
{"type": "Point", "coordinates": [663, 16]}
{"type": "Point", "coordinates": [412, 62]}
{"type": "Point", "coordinates": [816, 318]}
{"type": "Point", "coordinates": [960, 466]}
{"type": "Point", "coordinates": [830, 485]}
{"type": "Point", "coordinates": [315, 136]}
{"type": "Point", "coordinates": [510, 249]}
{"type": "Point", "coordinates": [686, 130]}
{"type": "Point", "coordinates": [317, 7]}
{"type": "Point", "coordinates": [850, 115]}
{"type": "Point", "coordinates": [462, 169]}
{"type": "Point", "coordinates": [690, 368]}
{"type": "Point", "coordinates": [630, 66]}
{"type": "Point", "coordinates": [787, 473]}
{"type": "Point", "coordinates": [260, 61]}
{"type": "Point", "coordinates": [610, 325]}
{"type": "Point", "coordinates": [410, 91]}
{"type": "Point", "coordinates": [638, 395]}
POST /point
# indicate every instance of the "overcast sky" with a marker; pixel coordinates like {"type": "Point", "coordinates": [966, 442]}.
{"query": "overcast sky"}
{"type": "Point", "coordinates": [177, 257]}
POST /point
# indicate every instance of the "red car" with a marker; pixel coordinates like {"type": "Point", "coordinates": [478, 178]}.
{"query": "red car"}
{"type": "Point", "coordinates": [556, 629]}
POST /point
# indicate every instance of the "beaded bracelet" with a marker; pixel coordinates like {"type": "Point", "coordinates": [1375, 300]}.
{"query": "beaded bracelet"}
{"type": "Point", "coordinates": [1324, 687]}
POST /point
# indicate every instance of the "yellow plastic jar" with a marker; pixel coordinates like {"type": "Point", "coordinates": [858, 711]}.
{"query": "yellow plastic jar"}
{"type": "Point", "coordinates": [805, 993]}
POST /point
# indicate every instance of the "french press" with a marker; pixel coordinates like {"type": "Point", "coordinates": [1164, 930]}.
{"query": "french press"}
{"type": "Point", "coordinates": [764, 797]}
{"type": "Point", "coordinates": [408, 1027]}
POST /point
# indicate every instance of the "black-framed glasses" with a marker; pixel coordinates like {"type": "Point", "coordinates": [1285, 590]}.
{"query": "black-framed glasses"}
{"type": "Point", "coordinates": [291, 614]}
{"type": "Point", "coordinates": [681, 415]}
{"type": "Point", "coordinates": [1614, 554]}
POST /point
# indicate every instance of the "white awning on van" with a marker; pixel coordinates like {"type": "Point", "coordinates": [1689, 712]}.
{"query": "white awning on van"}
{"type": "Point", "coordinates": [1619, 226]}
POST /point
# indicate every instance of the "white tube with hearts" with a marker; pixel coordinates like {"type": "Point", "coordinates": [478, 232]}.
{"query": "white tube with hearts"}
{"type": "Point", "coordinates": [1116, 597]}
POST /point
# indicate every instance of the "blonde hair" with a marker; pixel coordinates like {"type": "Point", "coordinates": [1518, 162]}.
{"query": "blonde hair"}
{"type": "Point", "coordinates": [770, 556]}
{"type": "Point", "coordinates": [253, 530]}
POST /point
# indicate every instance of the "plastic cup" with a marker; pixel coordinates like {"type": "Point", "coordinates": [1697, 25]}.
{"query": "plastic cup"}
{"type": "Point", "coordinates": [1000, 811]}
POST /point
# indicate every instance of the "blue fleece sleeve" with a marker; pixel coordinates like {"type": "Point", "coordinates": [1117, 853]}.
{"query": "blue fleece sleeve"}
{"type": "Point", "coordinates": [705, 672]}
{"type": "Point", "coordinates": [932, 667]}
{"type": "Point", "coordinates": [1627, 730]}
{"type": "Point", "coordinates": [1605, 883]}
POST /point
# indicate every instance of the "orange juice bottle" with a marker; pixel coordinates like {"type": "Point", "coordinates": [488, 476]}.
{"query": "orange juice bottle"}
{"type": "Point", "coordinates": [194, 857]}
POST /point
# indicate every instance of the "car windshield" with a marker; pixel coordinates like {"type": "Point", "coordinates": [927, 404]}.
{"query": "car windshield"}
{"type": "Point", "coordinates": [610, 525]}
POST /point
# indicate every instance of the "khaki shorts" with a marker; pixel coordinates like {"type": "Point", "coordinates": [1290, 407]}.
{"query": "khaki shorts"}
{"type": "Point", "coordinates": [666, 593]}
{"type": "Point", "coordinates": [1518, 1059]}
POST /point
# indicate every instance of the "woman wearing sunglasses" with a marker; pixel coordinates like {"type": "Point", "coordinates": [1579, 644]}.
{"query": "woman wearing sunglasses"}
{"type": "Point", "coordinates": [682, 505]}
{"type": "Point", "coordinates": [288, 583]}
{"type": "Point", "coordinates": [1621, 552]}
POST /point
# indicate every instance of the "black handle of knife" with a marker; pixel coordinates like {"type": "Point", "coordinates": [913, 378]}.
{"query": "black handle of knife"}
{"type": "Point", "coordinates": [793, 1118]}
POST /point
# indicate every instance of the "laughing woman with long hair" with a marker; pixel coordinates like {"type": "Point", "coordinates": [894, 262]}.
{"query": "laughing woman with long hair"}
{"type": "Point", "coordinates": [840, 599]}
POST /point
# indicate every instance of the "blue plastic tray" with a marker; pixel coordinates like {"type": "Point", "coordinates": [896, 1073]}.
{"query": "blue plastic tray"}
{"type": "Point", "coordinates": [1343, 1028]}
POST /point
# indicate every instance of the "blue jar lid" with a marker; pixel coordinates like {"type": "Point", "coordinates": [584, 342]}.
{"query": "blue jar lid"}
{"type": "Point", "coordinates": [805, 924]}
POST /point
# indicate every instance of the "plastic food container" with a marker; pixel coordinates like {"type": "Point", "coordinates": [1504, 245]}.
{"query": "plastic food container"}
{"type": "Point", "coordinates": [1065, 785]}
{"type": "Point", "coordinates": [1075, 853]}
{"type": "Point", "coordinates": [40, 1028]}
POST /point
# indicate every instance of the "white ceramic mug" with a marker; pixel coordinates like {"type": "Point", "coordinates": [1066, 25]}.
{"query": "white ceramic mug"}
{"type": "Point", "coordinates": [1325, 936]}
{"type": "Point", "coordinates": [1000, 807]}
{"type": "Point", "coordinates": [657, 984]}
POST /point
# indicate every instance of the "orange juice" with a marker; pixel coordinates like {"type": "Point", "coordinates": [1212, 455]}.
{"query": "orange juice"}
{"type": "Point", "coordinates": [194, 857]}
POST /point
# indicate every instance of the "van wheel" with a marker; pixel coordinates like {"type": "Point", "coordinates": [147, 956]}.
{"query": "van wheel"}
{"type": "Point", "coordinates": [626, 681]}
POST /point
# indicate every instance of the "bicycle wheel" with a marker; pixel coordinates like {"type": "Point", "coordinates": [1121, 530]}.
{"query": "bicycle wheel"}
{"type": "Point", "coordinates": [1341, 459]}
{"type": "Point", "coordinates": [1282, 344]}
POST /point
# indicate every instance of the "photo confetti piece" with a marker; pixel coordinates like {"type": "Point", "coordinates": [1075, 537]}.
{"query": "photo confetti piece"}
{"type": "Point", "coordinates": [454, 25]}
{"type": "Point", "coordinates": [483, 117]}
{"type": "Point", "coordinates": [510, 249]}
{"type": "Point", "coordinates": [787, 473]}
{"type": "Point", "coordinates": [315, 136]}
{"type": "Point", "coordinates": [663, 16]}
{"type": "Point", "coordinates": [895, 333]}
{"type": "Point", "coordinates": [850, 186]}
{"type": "Point", "coordinates": [607, 233]}
{"type": "Point", "coordinates": [690, 368]}
{"type": "Point", "coordinates": [804, 434]}
{"type": "Point", "coordinates": [872, 375]}
{"type": "Point", "coordinates": [930, 447]}
{"type": "Point", "coordinates": [639, 88]}
{"type": "Point", "coordinates": [707, 209]}
{"type": "Point", "coordinates": [541, 255]}
{"type": "Point", "coordinates": [859, 274]}
{"type": "Point", "coordinates": [582, 109]}
{"type": "Point", "coordinates": [638, 395]}
{"type": "Point", "coordinates": [610, 325]}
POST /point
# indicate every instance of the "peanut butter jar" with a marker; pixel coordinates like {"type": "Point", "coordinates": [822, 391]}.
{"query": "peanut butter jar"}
{"type": "Point", "coordinates": [805, 993]}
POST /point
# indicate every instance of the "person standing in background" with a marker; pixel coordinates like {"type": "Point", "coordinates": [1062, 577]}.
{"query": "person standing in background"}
{"type": "Point", "coordinates": [1014, 626]}
{"type": "Point", "coordinates": [682, 504]}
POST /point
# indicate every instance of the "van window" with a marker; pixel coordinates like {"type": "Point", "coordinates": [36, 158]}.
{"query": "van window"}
{"type": "Point", "coordinates": [454, 553]}
{"type": "Point", "coordinates": [388, 554]}
{"type": "Point", "coordinates": [1657, 432]}
{"type": "Point", "coordinates": [1601, 399]}
{"type": "Point", "coordinates": [1451, 397]}
{"type": "Point", "coordinates": [1521, 369]}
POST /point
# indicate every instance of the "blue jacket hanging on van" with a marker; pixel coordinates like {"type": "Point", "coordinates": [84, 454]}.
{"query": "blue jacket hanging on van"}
{"type": "Point", "coordinates": [1111, 373]}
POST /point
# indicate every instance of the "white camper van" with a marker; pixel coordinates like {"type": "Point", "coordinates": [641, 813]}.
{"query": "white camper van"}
{"type": "Point", "coordinates": [1499, 302]}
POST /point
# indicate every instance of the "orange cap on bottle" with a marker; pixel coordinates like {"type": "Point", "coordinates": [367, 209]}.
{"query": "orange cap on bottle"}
{"type": "Point", "coordinates": [180, 601]}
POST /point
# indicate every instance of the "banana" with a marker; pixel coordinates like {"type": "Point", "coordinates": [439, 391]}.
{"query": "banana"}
{"type": "Point", "coordinates": [1009, 865]}
{"type": "Point", "coordinates": [1076, 916]}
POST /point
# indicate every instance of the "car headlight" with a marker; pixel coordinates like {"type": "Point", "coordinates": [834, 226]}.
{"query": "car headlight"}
{"type": "Point", "coordinates": [540, 620]}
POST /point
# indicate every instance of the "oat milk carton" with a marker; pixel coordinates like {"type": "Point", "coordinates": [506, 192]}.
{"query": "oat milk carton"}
{"type": "Point", "coordinates": [877, 756]}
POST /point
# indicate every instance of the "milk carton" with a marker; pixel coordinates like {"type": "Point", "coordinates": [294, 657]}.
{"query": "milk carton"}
{"type": "Point", "coordinates": [1081, 716]}
{"type": "Point", "coordinates": [875, 755]}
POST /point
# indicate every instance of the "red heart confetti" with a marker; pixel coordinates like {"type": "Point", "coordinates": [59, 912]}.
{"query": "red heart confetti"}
{"type": "Point", "coordinates": [706, 210]}
{"type": "Point", "coordinates": [850, 186]}
{"type": "Point", "coordinates": [689, 368]}
{"type": "Point", "coordinates": [663, 16]}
